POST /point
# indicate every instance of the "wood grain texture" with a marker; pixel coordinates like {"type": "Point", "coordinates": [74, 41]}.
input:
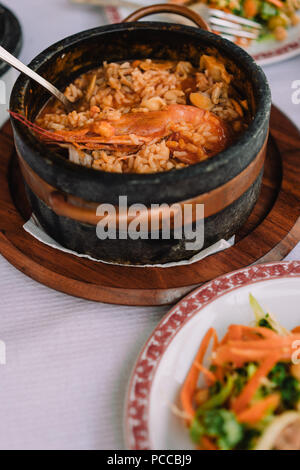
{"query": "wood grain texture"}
{"type": "Point", "coordinates": [271, 231]}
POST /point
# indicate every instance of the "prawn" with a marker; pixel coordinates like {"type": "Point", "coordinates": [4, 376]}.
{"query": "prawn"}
{"type": "Point", "coordinates": [136, 129]}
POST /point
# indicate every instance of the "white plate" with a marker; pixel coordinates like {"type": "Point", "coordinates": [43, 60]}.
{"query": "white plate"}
{"type": "Point", "coordinates": [264, 52]}
{"type": "Point", "coordinates": [166, 358]}
{"type": "Point", "coordinates": [271, 51]}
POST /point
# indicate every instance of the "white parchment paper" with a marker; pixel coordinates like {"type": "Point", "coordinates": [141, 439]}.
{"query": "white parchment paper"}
{"type": "Point", "coordinates": [38, 232]}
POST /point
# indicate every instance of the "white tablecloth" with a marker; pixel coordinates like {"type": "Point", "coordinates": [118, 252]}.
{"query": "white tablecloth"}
{"type": "Point", "coordinates": [68, 360]}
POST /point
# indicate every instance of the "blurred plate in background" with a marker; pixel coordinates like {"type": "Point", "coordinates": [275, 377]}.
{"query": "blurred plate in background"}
{"type": "Point", "coordinates": [265, 52]}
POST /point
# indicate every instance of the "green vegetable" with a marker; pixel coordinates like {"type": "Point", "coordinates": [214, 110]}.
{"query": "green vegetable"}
{"type": "Point", "coordinates": [290, 392]}
{"type": "Point", "coordinates": [267, 11]}
{"type": "Point", "coordinates": [265, 36]}
{"type": "Point", "coordinates": [237, 11]}
{"type": "Point", "coordinates": [278, 373]}
{"type": "Point", "coordinates": [265, 319]}
{"type": "Point", "coordinates": [251, 369]}
{"type": "Point", "coordinates": [240, 382]}
{"type": "Point", "coordinates": [222, 425]}
{"type": "Point", "coordinates": [257, 309]}
{"type": "Point", "coordinates": [264, 322]}
{"type": "Point", "coordinates": [218, 399]}
{"type": "Point", "coordinates": [215, 388]}
{"type": "Point", "coordinates": [249, 439]}
{"type": "Point", "coordinates": [263, 392]}
{"type": "Point", "coordinates": [196, 431]}
{"type": "Point", "coordinates": [287, 385]}
{"type": "Point", "coordinates": [243, 375]}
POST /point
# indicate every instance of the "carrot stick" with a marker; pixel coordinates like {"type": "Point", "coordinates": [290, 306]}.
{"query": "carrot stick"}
{"type": "Point", "coordinates": [296, 329]}
{"type": "Point", "coordinates": [259, 330]}
{"type": "Point", "coordinates": [225, 339]}
{"type": "Point", "coordinates": [210, 378]}
{"type": "Point", "coordinates": [235, 332]}
{"type": "Point", "coordinates": [190, 383]}
{"type": "Point", "coordinates": [219, 373]}
{"type": "Point", "coordinates": [208, 444]}
{"type": "Point", "coordinates": [215, 341]}
{"type": "Point", "coordinates": [256, 331]}
{"type": "Point", "coordinates": [238, 357]}
{"type": "Point", "coordinates": [279, 342]}
{"type": "Point", "coordinates": [249, 390]}
{"type": "Point", "coordinates": [257, 411]}
{"type": "Point", "coordinates": [239, 352]}
{"type": "Point", "coordinates": [241, 332]}
{"type": "Point", "coordinates": [250, 8]}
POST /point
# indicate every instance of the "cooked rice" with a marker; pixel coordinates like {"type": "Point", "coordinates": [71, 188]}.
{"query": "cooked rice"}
{"type": "Point", "coordinates": [115, 90]}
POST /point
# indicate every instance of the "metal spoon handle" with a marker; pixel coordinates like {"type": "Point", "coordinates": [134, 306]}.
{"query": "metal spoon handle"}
{"type": "Point", "coordinates": [11, 60]}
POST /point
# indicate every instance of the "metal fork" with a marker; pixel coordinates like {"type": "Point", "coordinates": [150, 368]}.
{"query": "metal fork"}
{"type": "Point", "coordinates": [229, 26]}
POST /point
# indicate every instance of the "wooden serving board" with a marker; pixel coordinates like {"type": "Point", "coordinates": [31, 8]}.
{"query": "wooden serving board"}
{"type": "Point", "coordinates": [271, 231]}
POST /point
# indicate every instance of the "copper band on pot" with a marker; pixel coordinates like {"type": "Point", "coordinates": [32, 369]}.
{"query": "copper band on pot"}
{"type": "Point", "coordinates": [180, 10]}
{"type": "Point", "coordinates": [214, 201]}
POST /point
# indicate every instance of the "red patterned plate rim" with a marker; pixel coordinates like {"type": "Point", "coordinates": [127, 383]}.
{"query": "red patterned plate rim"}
{"type": "Point", "coordinates": [282, 52]}
{"type": "Point", "coordinates": [136, 423]}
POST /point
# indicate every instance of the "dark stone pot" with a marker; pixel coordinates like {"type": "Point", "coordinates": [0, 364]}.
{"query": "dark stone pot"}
{"type": "Point", "coordinates": [64, 61]}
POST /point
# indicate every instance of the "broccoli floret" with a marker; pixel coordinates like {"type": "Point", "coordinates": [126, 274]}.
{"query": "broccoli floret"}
{"type": "Point", "coordinates": [240, 380]}
{"type": "Point", "coordinates": [243, 375]}
{"type": "Point", "coordinates": [287, 385]}
{"type": "Point", "coordinates": [196, 430]}
{"type": "Point", "coordinates": [290, 392]}
{"type": "Point", "coordinates": [222, 425]}
{"type": "Point", "coordinates": [278, 373]}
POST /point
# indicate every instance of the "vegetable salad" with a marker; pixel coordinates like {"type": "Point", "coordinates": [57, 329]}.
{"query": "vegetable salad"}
{"type": "Point", "coordinates": [276, 16]}
{"type": "Point", "coordinates": [252, 388]}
